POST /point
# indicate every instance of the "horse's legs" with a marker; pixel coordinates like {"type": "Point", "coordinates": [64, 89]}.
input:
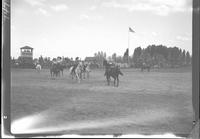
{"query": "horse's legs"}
{"type": "Point", "coordinates": [77, 77]}
{"type": "Point", "coordinates": [51, 73]}
{"type": "Point", "coordinates": [71, 75]}
{"type": "Point", "coordinates": [117, 81]}
{"type": "Point", "coordinates": [82, 75]}
{"type": "Point", "coordinates": [108, 80]}
{"type": "Point", "coordinates": [114, 81]}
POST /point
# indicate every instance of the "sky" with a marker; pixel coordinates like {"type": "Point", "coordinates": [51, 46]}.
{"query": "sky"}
{"type": "Point", "coordinates": [72, 28]}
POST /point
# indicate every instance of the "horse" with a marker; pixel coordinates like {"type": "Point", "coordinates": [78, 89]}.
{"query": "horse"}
{"type": "Point", "coordinates": [78, 72]}
{"type": "Point", "coordinates": [60, 67]}
{"type": "Point", "coordinates": [72, 71]}
{"type": "Point", "coordinates": [86, 70]}
{"type": "Point", "coordinates": [145, 66]}
{"type": "Point", "coordinates": [38, 68]}
{"type": "Point", "coordinates": [112, 71]}
{"type": "Point", "coordinates": [54, 70]}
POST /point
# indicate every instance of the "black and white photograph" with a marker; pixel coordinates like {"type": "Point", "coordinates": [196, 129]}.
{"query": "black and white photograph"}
{"type": "Point", "coordinates": [101, 67]}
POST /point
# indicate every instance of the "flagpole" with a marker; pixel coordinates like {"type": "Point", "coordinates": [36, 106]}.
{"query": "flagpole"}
{"type": "Point", "coordinates": [128, 38]}
{"type": "Point", "coordinates": [128, 43]}
{"type": "Point", "coordinates": [129, 30]}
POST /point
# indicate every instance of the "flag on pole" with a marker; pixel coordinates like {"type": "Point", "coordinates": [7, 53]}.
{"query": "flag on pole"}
{"type": "Point", "coordinates": [131, 30]}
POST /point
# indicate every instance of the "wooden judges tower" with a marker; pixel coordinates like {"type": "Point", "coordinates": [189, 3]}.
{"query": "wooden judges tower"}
{"type": "Point", "coordinates": [26, 56]}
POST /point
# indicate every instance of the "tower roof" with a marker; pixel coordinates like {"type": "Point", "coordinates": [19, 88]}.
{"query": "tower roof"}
{"type": "Point", "coordinates": [26, 47]}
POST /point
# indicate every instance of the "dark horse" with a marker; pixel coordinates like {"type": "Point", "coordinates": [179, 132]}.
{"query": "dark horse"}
{"type": "Point", "coordinates": [54, 70]}
{"type": "Point", "coordinates": [60, 67]}
{"type": "Point", "coordinates": [145, 66]}
{"type": "Point", "coordinates": [112, 71]}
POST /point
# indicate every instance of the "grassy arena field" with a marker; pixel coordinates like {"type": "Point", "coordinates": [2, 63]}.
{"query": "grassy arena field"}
{"type": "Point", "coordinates": [153, 102]}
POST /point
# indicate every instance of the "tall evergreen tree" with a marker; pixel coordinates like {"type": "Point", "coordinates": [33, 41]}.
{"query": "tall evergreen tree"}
{"type": "Point", "coordinates": [183, 57]}
{"type": "Point", "coordinates": [126, 55]}
{"type": "Point", "coordinates": [136, 56]}
{"type": "Point", "coordinates": [114, 57]}
{"type": "Point", "coordinates": [188, 58]}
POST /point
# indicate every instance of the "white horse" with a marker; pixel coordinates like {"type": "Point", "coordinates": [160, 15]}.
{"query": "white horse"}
{"type": "Point", "coordinates": [38, 68]}
{"type": "Point", "coordinates": [78, 72]}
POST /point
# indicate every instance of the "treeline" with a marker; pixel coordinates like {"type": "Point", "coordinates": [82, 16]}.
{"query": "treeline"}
{"type": "Point", "coordinates": [154, 55]}
{"type": "Point", "coordinates": [161, 56]}
{"type": "Point", "coordinates": [99, 57]}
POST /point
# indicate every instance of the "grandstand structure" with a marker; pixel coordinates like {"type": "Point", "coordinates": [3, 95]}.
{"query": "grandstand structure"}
{"type": "Point", "coordinates": [26, 57]}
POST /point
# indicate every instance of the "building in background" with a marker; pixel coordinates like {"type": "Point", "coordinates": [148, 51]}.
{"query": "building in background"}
{"type": "Point", "coordinates": [93, 62]}
{"type": "Point", "coordinates": [26, 57]}
{"type": "Point", "coordinates": [27, 53]}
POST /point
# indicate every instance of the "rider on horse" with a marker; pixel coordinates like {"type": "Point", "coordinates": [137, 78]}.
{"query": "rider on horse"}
{"type": "Point", "coordinates": [75, 64]}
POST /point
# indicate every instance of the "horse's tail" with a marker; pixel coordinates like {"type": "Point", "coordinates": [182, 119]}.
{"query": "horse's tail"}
{"type": "Point", "coordinates": [70, 69]}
